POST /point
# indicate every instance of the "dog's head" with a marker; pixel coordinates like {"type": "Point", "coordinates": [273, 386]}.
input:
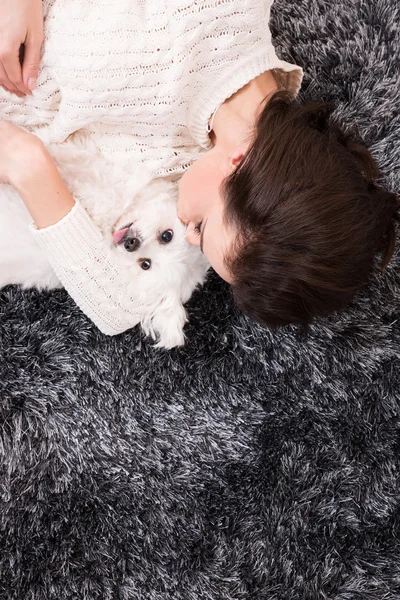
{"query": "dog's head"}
{"type": "Point", "coordinates": [162, 267]}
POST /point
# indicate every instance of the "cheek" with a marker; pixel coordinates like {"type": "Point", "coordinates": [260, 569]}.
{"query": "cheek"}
{"type": "Point", "coordinates": [188, 194]}
{"type": "Point", "coordinates": [198, 190]}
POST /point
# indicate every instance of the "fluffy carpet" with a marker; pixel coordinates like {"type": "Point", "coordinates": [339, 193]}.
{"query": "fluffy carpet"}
{"type": "Point", "coordinates": [246, 465]}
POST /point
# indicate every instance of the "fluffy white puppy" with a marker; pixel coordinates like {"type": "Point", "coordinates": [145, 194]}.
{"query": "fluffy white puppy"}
{"type": "Point", "coordinates": [137, 216]}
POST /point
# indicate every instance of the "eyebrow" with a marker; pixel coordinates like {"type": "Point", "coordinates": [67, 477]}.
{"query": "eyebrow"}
{"type": "Point", "coordinates": [202, 235]}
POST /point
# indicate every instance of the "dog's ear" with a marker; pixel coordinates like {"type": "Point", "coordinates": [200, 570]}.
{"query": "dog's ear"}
{"type": "Point", "coordinates": [168, 323]}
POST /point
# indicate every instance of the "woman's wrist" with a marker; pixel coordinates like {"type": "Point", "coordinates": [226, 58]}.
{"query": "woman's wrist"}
{"type": "Point", "coordinates": [38, 164]}
{"type": "Point", "coordinates": [42, 189]}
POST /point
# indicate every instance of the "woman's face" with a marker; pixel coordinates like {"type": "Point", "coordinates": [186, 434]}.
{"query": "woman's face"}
{"type": "Point", "coordinates": [201, 208]}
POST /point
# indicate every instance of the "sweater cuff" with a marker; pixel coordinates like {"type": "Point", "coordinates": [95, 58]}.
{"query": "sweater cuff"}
{"type": "Point", "coordinates": [73, 236]}
{"type": "Point", "coordinates": [233, 80]}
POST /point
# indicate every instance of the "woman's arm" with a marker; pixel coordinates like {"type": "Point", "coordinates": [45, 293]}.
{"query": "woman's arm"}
{"type": "Point", "coordinates": [73, 244]}
{"type": "Point", "coordinates": [43, 191]}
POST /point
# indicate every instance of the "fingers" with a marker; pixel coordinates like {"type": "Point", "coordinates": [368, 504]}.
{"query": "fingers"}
{"type": "Point", "coordinates": [21, 36]}
{"type": "Point", "coordinates": [30, 66]}
{"type": "Point", "coordinates": [13, 72]}
{"type": "Point", "coordinates": [7, 84]}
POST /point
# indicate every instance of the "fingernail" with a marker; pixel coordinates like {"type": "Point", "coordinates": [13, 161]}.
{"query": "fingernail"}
{"type": "Point", "coordinates": [32, 83]}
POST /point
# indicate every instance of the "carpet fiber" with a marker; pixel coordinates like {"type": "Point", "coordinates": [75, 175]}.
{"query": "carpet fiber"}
{"type": "Point", "coordinates": [246, 465]}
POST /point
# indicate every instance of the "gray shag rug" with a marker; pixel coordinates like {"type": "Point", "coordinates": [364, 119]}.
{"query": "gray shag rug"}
{"type": "Point", "coordinates": [246, 465]}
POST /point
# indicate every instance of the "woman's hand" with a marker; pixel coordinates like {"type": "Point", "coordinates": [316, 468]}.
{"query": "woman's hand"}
{"type": "Point", "coordinates": [21, 22]}
{"type": "Point", "coordinates": [20, 153]}
{"type": "Point", "coordinates": [28, 167]}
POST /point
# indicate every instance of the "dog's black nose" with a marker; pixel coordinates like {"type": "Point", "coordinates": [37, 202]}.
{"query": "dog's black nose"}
{"type": "Point", "coordinates": [131, 244]}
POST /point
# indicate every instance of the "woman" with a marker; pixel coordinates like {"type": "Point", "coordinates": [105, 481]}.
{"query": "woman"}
{"type": "Point", "coordinates": [282, 203]}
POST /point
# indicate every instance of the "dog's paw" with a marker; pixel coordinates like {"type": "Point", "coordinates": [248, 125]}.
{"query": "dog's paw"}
{"type": "Point", "coordinates": [167, 325]}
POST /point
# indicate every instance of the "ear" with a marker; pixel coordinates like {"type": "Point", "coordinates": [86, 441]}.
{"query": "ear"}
{"type": "Point", "coordinates": [238, 154]}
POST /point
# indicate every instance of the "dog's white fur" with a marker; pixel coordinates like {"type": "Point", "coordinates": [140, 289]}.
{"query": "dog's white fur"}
{"type": "Point", "coordinates": [113, 196]}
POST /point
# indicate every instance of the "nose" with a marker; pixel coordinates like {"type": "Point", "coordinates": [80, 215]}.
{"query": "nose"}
{"type": "Point", "coordinates": [131, 244]}
{"type": "Point", "coordinates": [183, 219]}
{"type": "Point", "coordinates": [191, 235]}
{"type": "Point", "coordinates": [127, 237]}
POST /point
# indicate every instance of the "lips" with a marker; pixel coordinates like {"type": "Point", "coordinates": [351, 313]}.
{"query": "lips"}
{"type": "Point", "coordinates": [119, 235]}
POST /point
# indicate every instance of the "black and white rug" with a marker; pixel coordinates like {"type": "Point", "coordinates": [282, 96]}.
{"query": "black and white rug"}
{"type": "Point", "coordinates": [247, 465]}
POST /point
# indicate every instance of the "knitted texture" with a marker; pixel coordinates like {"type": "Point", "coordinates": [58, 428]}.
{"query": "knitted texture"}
{"type": "Point", "coordinates": [129, 72]}
{"type": "Point", "coordinates": [142, 78]}
{"type": "Point", "coordinates": [92, 277]}
{"type": "Point", "coordinates": [246, 465]}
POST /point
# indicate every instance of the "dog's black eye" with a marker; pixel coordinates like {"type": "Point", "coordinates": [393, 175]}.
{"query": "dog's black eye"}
{"type": "Point", "coordinates": [131, 244]}
{"type": "Point", "coordinates": [166, 236]}
{"type": "Point", "coordinates": [145, 264]}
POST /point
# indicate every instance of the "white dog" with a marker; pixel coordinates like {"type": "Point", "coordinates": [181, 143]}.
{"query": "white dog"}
{"type": "Point", "coordinates": [138, 218]}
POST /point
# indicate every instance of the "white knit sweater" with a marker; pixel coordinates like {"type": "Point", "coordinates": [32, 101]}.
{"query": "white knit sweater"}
{"type": "Point", "coordinates": [143, 78]}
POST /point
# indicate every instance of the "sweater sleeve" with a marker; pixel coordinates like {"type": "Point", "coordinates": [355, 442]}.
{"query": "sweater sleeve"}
{"type": "Point", "coordinates": [81, 259]}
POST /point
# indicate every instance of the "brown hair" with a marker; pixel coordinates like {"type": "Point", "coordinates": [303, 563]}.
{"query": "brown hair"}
{"type": "Point", "coordinates": [309, 216]}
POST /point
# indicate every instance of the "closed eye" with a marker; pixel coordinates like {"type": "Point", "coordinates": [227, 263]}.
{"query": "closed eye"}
{"type": "Point", "coordinates": [200, 231]}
